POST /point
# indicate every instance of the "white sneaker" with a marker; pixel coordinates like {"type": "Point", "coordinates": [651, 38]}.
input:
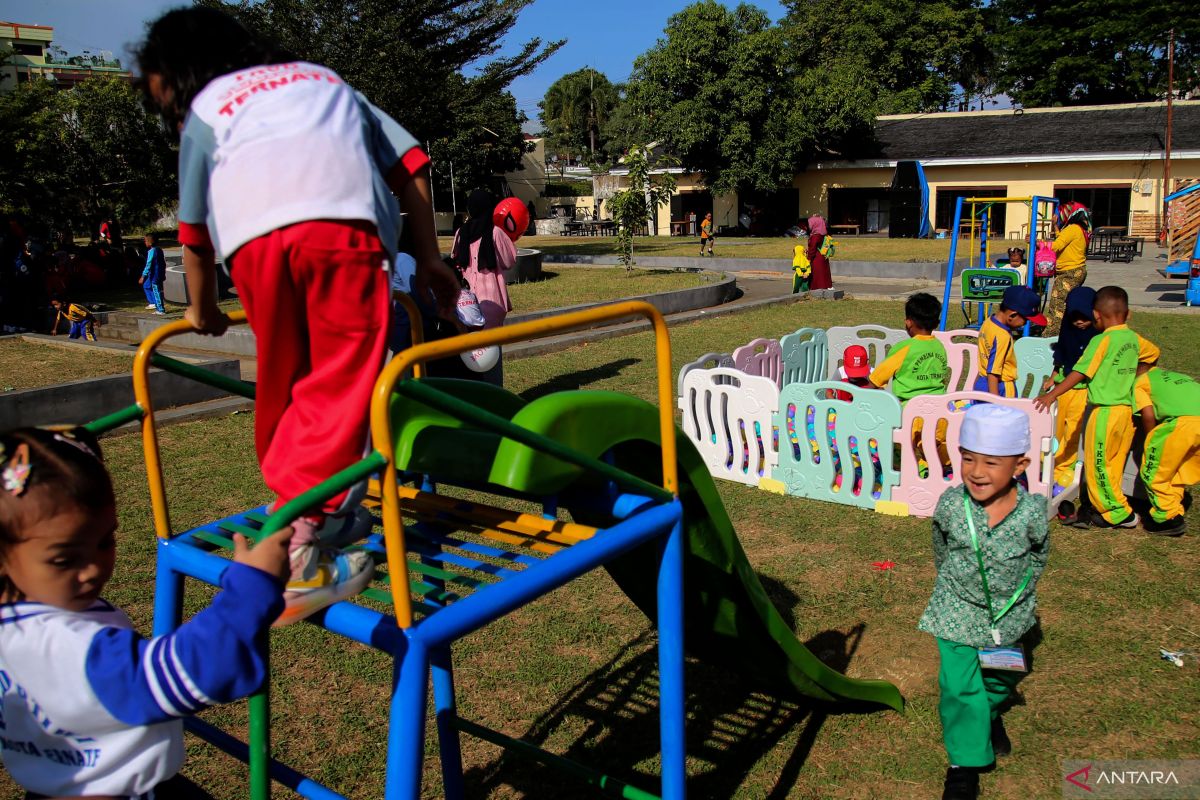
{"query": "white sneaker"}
{"type": "Point", "coordinates": [321, 577]}
{"type": "Point", "coordinates": [150, 306]}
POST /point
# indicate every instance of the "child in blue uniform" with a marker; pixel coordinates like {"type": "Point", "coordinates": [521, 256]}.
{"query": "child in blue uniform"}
{"type": "Point", "coordinates": [89, 707]}
{"type": "Point", "coordinates": [154, 275]}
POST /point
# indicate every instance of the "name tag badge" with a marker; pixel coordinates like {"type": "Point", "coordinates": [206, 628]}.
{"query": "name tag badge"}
{"type": "Point", "coordinates": [1006, 658]}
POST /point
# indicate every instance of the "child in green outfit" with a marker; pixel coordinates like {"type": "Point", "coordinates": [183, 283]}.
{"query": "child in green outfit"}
{"type": "Point", "coordinates": [990, 542]}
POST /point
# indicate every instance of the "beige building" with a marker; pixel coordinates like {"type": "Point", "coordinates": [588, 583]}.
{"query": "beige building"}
{"type": "Point", "coordinates": [33, 58]}
{"type": "Point", "coordinates": [1110, 158]}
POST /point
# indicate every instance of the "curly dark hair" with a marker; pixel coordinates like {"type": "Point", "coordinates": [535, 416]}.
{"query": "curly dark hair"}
{"type": "Point", "coordinates": [188, 47]}
{"type": "Point", "coordinates": [65, 469]}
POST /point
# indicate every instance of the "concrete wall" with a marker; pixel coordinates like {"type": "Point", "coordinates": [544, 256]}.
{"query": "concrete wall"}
{"type": "Point", "coordinates": [85, 400]}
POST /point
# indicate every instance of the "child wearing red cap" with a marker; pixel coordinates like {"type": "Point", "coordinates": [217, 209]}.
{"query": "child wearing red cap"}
{"type": "Point", "coordinates": [856, 366]}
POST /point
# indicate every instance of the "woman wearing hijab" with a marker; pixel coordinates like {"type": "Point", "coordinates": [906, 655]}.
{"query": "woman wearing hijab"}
{"type": "Point", "coordinates": [484, 253]}
{"type": "Point", "coordinates": [1078, 328]}
{"type": "Point", "coordinates": [1074, 224]}
{"type": "Point", "coordinates": [822, 278]}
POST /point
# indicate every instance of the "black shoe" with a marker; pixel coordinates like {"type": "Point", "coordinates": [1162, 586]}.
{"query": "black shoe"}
{"type": "Point", "coordinates": [1175, 526]}
{"type": "Point", "coordinates": [1001, 744]}
{"type": "Point", "coordinates": [1098, 521]}
{"type": "Point", "coordinates": [962, 783]}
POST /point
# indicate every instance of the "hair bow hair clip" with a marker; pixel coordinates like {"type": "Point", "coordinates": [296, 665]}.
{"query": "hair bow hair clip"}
{"type": "Point", "coordinates": [16, 472]}
{"type": "Point", "coordinates": [68, 437]}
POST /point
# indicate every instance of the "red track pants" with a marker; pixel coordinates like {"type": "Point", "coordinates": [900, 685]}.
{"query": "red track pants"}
{"type": "Point", "coordinates": [316, 296]}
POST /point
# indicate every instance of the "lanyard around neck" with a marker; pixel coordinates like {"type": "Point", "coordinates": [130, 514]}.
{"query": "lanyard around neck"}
{"type": "Point", "coordinates": [987, 594]}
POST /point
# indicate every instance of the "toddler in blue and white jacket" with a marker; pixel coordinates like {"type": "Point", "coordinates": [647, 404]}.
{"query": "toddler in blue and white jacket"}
{"type": "Point", "coordinates": [88, 707]}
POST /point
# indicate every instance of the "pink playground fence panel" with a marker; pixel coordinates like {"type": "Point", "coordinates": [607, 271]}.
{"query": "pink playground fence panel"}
{"type": "Point", "coordinates": [922, 493]}
{"type": "Point", "coordinates": [762, 357]}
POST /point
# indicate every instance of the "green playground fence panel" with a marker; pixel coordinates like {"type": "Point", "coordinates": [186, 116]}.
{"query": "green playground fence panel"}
{"type": "Point", "coordinates": [805, 356]}
{"type": "Point", "coordinates": [836, 443]}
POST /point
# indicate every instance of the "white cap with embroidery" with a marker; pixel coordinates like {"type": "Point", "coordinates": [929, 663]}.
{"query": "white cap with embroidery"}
{"type": "Point", "coordinates": [995, 430]}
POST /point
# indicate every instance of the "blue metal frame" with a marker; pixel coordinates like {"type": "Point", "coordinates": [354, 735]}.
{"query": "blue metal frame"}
{"type": "Point", "coordinates": [422, 653]}
{"type": "Point", "coordinates": [1034, 208]}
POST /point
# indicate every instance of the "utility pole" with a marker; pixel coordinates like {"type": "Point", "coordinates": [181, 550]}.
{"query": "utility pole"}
{"type": "Point", "coordinates": [1167, 149]}
{"type": "Point", "coordinates": [592, 110]}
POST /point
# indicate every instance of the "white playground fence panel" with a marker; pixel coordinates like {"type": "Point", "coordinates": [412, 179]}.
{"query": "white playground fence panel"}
{"type": "Point", "coordinates": [767, 414]}
{"type": "Point", "coordinates": [877, 339]}
{"type": "Point", "coordinates": [727, 415]}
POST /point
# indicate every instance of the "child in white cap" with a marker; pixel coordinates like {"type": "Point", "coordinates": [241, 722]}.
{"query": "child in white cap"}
{"type": "Point", "coordinates": [989, 546]}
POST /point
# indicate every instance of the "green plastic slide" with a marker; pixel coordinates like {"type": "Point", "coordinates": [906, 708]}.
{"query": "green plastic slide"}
{"type": "Point", "coordinates": [729, 620]}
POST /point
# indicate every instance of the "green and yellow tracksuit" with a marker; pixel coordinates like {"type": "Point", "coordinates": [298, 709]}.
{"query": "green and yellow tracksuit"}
{"type": "Point", "coordinates": [1110, 364]}
{"type": "Point", "coordinates": [1171, 460]}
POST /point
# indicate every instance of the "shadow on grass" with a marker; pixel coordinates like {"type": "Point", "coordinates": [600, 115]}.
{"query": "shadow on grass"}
{"type": "Point", "coordinates": [579, 379]}
{"type": "Point", "coordinates": [608, 721]}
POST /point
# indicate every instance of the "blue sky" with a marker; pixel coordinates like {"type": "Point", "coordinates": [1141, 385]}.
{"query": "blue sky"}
{"type": "Point", "coordinates": [607, 35]}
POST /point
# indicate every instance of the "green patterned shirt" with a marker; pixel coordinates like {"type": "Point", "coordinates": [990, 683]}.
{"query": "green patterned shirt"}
{"type": "Point", "coordinates": [957, 611]}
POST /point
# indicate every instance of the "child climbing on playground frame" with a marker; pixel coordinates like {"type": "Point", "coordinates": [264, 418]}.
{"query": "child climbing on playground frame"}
{"type": "Point", "coordinates": [91, 708]}
{"type": "Point", "coordinates": [990, 545]}
{"type": "Point", "coordinates": [1078, 330]}
{"type": "Point", "coordinates": [289, 174]}
{"type": "Point", "coordinates": [997, 356]}
{"type": "Point", "coordinates": [1168, 407]}
{"type": "Point", "coordinates": [916, 366]}
{"type": "Point", "coordinates": [82, 322]}
{"type": "Point", "coordinates": [1110, 364]}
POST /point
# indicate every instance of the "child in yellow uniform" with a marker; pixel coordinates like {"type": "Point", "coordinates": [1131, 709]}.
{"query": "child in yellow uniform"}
{"type": "Point", "coordinates": [1169, 407]}
{"type": "Point", "coordinates": [1078, 330]}
{"type": "Point", "coordinates": [1110, 364]}
{"type": "Point", "coordinates": [997, 358]}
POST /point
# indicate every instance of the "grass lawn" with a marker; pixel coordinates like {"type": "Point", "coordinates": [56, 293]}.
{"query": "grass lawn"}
{"type": "Point", "coordinates": [575, 671]}
{"type": "Point", "coordinates": [28, 365]}
{"type": "Point", "coordinates": [849, 248]}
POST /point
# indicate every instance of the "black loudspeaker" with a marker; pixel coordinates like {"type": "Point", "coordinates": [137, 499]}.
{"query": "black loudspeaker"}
{"type": "Point", "coordinates": [905, 220]}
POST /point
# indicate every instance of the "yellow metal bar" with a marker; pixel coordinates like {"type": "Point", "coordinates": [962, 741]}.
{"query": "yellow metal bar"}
{"type": "Point", "coordinates": [997, 199]}
{"type": "Point", "coordinates": [381, 432]}
{"type": "Point", "coordinates": [414, 326]}
{"type": "Point", "coordinates": [141, 393]}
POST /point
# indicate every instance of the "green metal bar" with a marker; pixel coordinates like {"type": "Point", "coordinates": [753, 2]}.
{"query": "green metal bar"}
{"type": "Point", "coordinates": [115, 420]}
{"type": "Point", "coordinates": [214, 539]}
{"type": "Point", "coordinates": [463, 410]}
{"type": "Point", "coordinates": [291, 511]}
{"type": "Point", "coordinates": [446, 575]}
{"type": "Point", "coordinates": [207, 376]}
{"type": "Point", "coordinates": [590, 776]}
{"type": "Point", "coordinates": [244, 530]}
{"type": "Point", "coordinates": [260, 738]}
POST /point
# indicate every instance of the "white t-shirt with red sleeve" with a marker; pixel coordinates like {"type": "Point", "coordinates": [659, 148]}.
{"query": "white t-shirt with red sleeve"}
{"type": "Point", "coordinates": [273, 145]}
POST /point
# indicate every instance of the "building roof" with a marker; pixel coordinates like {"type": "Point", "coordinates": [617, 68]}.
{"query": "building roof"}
{"type": "Point", "coordinates": [1036, 134]}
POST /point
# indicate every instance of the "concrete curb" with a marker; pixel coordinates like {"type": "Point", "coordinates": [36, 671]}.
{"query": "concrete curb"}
{"type": "Point", "coordinates": [90, 398]}
{"type": "Point", "coordinates": [721, 291]}
{"type": "Point", "coordinates": [921, 270]}
{"type": "Point", "coordinates": [240, 340]}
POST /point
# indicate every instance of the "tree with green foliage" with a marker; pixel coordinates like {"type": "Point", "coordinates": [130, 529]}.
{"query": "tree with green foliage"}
{"type": "Point", "coordinates": [715, 96]}
{"type": "Point", "coordinates": [576, 109]}
{"type": "Point", "coordinates": [632, 206]}
{"type": "Point", "coordinates": [67, 157]}
{"type": "Point", "coordinates": [1093, 52]}
{"type": "Point", "coordinates": [913, 55]}
{"type": "Point", "coordinates": [409, 57]}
